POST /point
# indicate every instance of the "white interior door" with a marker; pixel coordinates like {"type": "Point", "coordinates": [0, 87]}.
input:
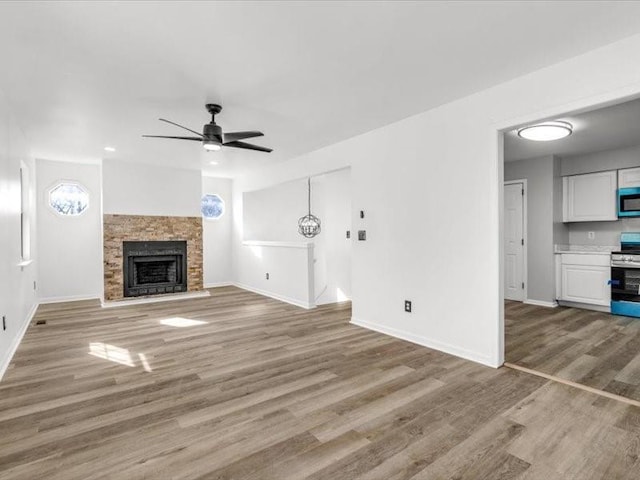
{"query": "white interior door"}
{"type": "Point", "coordinates": [514, 241]}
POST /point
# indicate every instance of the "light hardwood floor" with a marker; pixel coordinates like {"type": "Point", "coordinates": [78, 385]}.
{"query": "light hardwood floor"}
{"type": "Point", "coordinates": [596, 349]}
{"type": "Point", "coordinates": [264, 390]}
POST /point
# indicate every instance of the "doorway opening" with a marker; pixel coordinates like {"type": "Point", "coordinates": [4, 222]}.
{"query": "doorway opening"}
{"type": "Point", "coordinates": [559, 324]}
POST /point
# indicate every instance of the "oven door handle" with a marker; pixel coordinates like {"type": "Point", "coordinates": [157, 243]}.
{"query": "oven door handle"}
{"type": "Point", "coordinates": [625, 264]}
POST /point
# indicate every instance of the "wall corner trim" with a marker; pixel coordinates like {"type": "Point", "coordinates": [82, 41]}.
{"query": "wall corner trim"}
{"type": "Point", "coordinates": [426, 342]}
{"type": "Point", "coordinates": [4, 362]}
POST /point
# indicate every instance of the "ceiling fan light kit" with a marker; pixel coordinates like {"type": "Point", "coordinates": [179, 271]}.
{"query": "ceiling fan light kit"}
{"type": "Point", "coordinates": [211, 146]}
{"type": "Point", "coordinates": [212, 136]}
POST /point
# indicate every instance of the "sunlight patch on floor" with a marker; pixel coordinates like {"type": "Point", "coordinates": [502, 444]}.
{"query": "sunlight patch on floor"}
{"type": "Point", "coordinates": [111, 353]}
{"type": "Point", "coordinates": [119, 355]}
{"type": "Point", "coordinates": [181, 322]}
{"type": "Point", "coordinates": [145, 363]}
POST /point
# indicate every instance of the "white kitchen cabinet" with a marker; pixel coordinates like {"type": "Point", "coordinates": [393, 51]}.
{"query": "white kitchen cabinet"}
{"type": "Point", "coordinates": [585, 279]}
{"type": "Point", "coordinates": [629, 177]}
{"type": "Point", "coordinates": [590, 197]}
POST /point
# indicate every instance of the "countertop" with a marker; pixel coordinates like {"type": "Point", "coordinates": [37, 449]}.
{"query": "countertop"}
{"type": "Point", "coordinates": [582, 252]}
{"type": "Point", "coordinates": [586, 249]}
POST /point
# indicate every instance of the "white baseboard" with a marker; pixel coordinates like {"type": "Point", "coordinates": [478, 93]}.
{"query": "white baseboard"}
{"type": "Point", "coordinates": [4, 362]}
{"type": "Point", "coordinates": [426, 342]}
{"type": "Point", "coordinates": [218, 284]}
{"type": "Point", "coordinates": [70, 298]}
{"type": "Point", "coordinates": [540, 303]}
{"type": "Point", "coordinates": [586, 306]}
{"type": "Point", "coordinates": [277, 296]}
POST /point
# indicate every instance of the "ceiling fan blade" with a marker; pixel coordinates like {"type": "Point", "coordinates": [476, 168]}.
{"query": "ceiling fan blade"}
{"type": "Point", "coordinates": [247, 146]}
{"type": "Point", "coordinates": [233, 136]}
{"type": "Point", "coordinates": [177, 125]}
{"type": "Point", "coordinates": [197, 139]}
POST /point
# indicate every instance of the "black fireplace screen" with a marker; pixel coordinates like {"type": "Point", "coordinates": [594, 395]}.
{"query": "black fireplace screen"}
{"type": "Point", "coordinates": [152, 268]}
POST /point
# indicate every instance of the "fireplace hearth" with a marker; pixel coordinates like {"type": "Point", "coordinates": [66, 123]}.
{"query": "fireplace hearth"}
{"type": "Point", "coordinates": [154, 267]}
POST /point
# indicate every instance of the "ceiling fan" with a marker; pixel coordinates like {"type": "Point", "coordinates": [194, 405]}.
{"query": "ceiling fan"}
{"type": "Point", "coordinates": [213, 138]}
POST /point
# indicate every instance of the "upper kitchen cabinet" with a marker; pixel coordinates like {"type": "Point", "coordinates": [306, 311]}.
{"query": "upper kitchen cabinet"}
{"type": "Point", "coordinates": [590, 197]}
{"type": "Point", "coordinates": [629, 178]}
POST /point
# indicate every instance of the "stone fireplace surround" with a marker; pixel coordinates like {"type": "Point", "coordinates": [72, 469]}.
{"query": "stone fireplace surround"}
{"type": "Point", "coordinates": [120, 228]}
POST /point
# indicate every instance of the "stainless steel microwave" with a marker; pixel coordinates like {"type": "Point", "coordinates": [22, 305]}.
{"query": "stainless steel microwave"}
{"type": "Point", "coordinates": [629, 202]}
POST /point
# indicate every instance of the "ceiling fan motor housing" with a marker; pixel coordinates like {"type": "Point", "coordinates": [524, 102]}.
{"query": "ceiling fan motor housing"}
{"type": "Point", "coordinates": [212, 132]}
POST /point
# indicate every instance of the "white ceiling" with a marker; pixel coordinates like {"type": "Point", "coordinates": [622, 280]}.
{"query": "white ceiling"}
{"type": "Point", "coordinates": [617, 126]}
{"type": "Point", "coordinates": [83, 75]}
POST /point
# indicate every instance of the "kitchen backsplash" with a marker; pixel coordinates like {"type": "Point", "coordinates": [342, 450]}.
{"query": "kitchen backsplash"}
{"type": "Point", "coordinates": [604, 233]}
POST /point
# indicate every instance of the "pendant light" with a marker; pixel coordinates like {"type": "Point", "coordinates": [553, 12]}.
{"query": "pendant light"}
{"type": "Point", "coordinates": [309, 225]}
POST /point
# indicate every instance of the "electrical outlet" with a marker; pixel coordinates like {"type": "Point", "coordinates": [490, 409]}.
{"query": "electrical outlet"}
{"type": "Point", "coordinates": [407, 306]}
{"type": "Point", "coordinates": [4, 322]}
{"type": "Point", "coordinates": [591, 235]}
{"type": "Point", "coordinates": [361, 213]}
{"type": "Point", "coordinates": [266, 276]}
{"type": "Point", "coordinates": [348, 233]}
{"type": "Point", "coordinates": [362, 234]}
{"type": "Point", "coordinates": [34, 284]}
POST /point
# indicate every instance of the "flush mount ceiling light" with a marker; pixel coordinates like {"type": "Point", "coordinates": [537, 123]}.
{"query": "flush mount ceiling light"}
{"type": "Point", "coordinates": [546, 131]}
{"type": "Point", "coordinates": [109, 149]}
{"type": "Point", "coordinates": [309, 225]}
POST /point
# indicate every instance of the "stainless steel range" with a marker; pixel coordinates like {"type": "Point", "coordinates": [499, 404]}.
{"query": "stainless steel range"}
{"type": "Point", "coordinates": [625, 276]}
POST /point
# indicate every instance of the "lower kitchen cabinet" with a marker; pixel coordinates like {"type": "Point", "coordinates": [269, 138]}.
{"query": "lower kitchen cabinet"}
{"type": "Point", "coordinates": [584, 279]}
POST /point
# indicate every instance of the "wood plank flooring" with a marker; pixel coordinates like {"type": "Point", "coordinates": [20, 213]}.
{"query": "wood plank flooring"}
{"type": "Point", "coordinates": [596, 349]}
{"type": "Point", "coordinates": [239, 386]}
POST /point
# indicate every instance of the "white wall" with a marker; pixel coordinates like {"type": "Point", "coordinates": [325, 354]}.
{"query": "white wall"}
{"type": "Point", "coordinates": [289, 265]}
{"type": "Point", "coordinates": [17, 295]}
{"type": "Point", "coordinates": [560, 229]}
{"type": "Point", "coordinates": [272, 215]}
{"type": "Point", "coordinates": [615, 159]}
{"type": "Point", "coordinates": [432, 189]}
{"type": "Point", "coordinates": [139, 189]}
{"type": "Point", "coordinates": [70, 248]}
{"type": "Point", "coordinates": [216, 235]}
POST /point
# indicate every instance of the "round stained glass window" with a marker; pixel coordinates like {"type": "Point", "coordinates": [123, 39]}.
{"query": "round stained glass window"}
{"type": "Point", "coordinates": [212, 206]}
{"type": "Point", "coordinates": [70, 199]}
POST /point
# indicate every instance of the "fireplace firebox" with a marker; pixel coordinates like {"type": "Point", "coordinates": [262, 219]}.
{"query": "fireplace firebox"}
{"type": "Point", "coordinates": [152, 268]}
